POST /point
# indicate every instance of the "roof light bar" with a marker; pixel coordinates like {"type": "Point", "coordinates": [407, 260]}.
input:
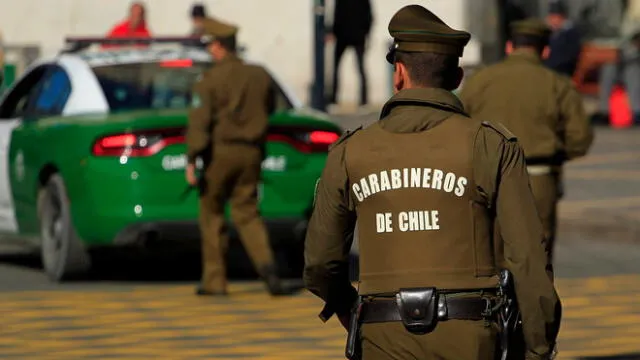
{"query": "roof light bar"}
{"type": "Point", "coordinates": [75, 44]}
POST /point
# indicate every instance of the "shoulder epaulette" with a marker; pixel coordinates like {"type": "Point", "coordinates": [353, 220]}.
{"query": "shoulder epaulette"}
{"type": "Point", "coordinates": [347, 134]}
{"type": "Point", "coordinates": [500, 129]}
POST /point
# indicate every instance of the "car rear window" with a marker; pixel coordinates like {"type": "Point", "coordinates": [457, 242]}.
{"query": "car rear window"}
{"type": "Point", "coordinates": [157, 85]}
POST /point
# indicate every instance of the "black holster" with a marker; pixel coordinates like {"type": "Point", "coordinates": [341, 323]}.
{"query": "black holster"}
{"type": "Point", "coordinates": [353, 349]}
{"type": "Point", "coordinates": [511, 335]}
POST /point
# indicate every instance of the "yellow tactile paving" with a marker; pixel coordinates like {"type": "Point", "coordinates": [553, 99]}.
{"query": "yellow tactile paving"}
{"type": "Point", "coordinates": [601, 317]}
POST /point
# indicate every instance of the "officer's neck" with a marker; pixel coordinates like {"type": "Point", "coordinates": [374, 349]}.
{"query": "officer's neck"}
{"type": "Point", "coordinates": [526, 50]}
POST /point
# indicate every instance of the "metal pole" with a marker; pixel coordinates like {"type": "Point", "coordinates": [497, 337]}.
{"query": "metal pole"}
{"type": "Point", "coordinates": [504, 28]}
{"type": "Point", "coordinates": [317, 89]}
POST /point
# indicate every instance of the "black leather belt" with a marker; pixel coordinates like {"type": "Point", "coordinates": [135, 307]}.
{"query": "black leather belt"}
{"type": "Point", "coordinates": [453, 308]}
{"type": "Point", "coordinates": [241, 142]}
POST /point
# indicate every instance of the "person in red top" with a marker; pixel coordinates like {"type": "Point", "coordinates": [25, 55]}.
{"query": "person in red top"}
{"type": "Point", "coordinates": [135, 26]}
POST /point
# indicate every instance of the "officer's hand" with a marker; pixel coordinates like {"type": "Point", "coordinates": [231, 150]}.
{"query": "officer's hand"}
{"type": "Point", "coordinates": [344, 320]}
{"type": "Point", "coordinates": [190, 174]}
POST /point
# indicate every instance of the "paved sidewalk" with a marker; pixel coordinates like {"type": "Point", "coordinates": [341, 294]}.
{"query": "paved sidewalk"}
{"type": "Point", "coordinates": [603, 189]}
{"type": "Point", "coordinates": [601, 317]}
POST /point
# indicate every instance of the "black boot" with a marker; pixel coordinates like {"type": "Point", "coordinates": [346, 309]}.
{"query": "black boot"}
{"type": "Point", "coordinates": [203, 292]}
{"type": "Point", "coordinates": [273, 282]}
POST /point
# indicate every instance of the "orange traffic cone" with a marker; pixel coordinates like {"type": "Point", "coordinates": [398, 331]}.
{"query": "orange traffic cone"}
{"type": "Point", "coordinates": [619, 109]}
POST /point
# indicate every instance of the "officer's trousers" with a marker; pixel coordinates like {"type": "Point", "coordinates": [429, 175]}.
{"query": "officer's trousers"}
{"type": "Point", "coordinates": [232, 176]}
{"type": "Point", "coordinates": [546, 192]}
{"type": "Point", "coordinates": [450, 340]}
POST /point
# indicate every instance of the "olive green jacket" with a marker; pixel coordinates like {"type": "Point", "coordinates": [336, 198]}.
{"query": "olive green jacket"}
{"type": "Point", "coordinates": [500, 180]}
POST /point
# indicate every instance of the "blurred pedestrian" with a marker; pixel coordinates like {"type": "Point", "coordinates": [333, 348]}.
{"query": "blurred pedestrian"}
{"type": "Point", "coordinates": [227, 128]}
{"type": "Point", "coordinates": [541, 107]}
{"type": "Point", "coordinates": [134, 26]}
{"type": "Point", "coordinates": [352, 22]}
{"type": "Point", "coordinates": [565, 44]}
{"type": "Point", "coordinates": [198, 15]}
{"type": "Point", "coordinates": [624, 71]}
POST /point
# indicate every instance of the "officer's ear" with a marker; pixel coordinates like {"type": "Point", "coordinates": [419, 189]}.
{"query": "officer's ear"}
{"type": "Point", "coordinates": [454, 81]}
{"type": "Point", "coordinates": [400, 76]}
{"type": "Point", "coordinates": [216, 49]}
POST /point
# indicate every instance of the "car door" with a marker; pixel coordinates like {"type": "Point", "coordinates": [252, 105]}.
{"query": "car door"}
{"type": "Point", "coordinates": [26, 155]}
{"type": "Point", "coordinates": [12, 110]}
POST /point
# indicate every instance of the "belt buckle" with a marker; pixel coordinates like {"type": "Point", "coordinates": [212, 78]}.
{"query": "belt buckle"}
{"type": "Point", "coordinates": [443, 311]}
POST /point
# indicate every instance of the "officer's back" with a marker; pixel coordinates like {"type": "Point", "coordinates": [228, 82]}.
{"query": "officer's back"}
{"type": "Point", "coordinates": [523, 77]}
{"type": "Point", "coordinates": [537, 104]}
{"type": "Point", "coordinates": [227, 128]}
{"type": "Point", "coordinates": [412, 189]}
{"type": "Point", "coordinates": [239, 93]}
{"type": "Point", "coordinates": [542, 108]}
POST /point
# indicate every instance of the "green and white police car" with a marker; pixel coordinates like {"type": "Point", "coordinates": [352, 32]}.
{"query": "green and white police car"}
{"type": "Point", "coordinates": [92, 155]}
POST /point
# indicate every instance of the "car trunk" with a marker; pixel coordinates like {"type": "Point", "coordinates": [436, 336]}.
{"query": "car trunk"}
{"type": "Point", "coordinates": [151, 144]}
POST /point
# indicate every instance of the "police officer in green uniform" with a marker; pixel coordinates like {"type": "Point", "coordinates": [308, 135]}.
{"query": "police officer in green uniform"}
{"type": "Point", "coordinates": [426, 184]}
{"type": "Point", "coordinates": [541, 107]}
{"type": "Point", "coordinates": [228, 126]}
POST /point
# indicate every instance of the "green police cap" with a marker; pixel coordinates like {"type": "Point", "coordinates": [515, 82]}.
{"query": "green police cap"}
{"type": "Point", "coordinates": [416, 29]}
{"type": "Point", "coordinates": [214, 29]}
{"type": "Point", "coordinates": [531, 27]}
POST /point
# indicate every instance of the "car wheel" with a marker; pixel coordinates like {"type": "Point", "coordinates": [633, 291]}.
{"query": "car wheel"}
{"type": "Point", "coordinates": [62, 251]}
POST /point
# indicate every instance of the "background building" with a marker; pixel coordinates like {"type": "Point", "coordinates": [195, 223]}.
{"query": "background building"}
{"type": "Point", "coordinates": [280, 32]}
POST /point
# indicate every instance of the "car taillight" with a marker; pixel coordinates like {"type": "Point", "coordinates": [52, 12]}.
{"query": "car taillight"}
{"type": "Point", "coordinates": [177, 63]}
{"type": "Point", "coordinates": [323, 137]}
{"type": "Point", "coordinates": [306, 141]}
{"type": "Point", "coordinates": [145, 143]}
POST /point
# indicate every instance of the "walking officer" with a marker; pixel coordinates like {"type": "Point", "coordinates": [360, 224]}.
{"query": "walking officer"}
{"type": "Point", "coordinates": [426, 184]}
{"type": "Point", "coordinates": [228, 126]}
{"type": "Point", "coordinates": [541, 107]}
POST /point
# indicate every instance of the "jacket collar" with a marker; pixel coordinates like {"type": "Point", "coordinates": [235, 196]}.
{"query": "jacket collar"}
{"type": "Point", "coordinates": [430, 97]}
{"type": "Point", "coordinates": [524, 55]}
{"type": "Point", "coordinates": [230, 58]}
